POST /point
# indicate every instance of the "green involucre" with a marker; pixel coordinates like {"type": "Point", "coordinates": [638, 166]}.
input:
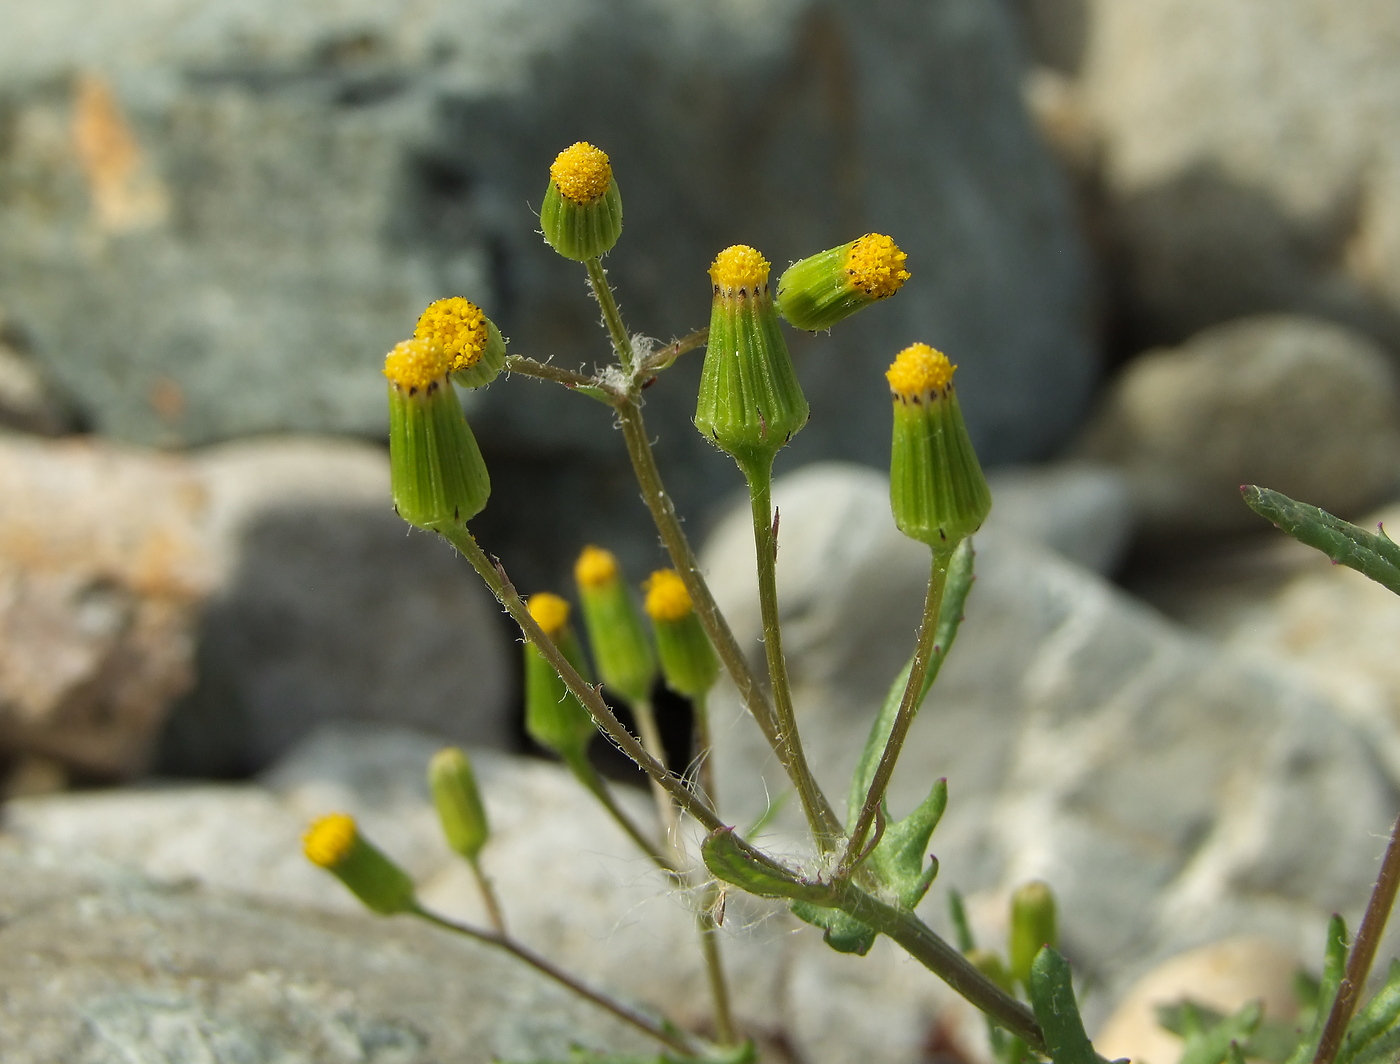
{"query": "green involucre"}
{"type": "Point", "coordinates": [938, 492]}
{"type": "Point", "coordinates": [688, 661]}
{"type": "Point", "coordinates": [437, 475]}
{"type": "Point", "coordinates": [816, 293]}
{"type": "Point", "coordinates": [619, 640]}
{"type": "Point", "coordinates": [581, 231]}
{"type": "Point", "coordinates": [458, 801]}
{"type": "Point", "coordinates": [554, 718]}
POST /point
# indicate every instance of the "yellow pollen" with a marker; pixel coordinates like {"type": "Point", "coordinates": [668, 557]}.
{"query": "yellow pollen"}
{"type": "Point", "coordinates": [549, 611]}
{"type": "Point", "coordinates": [667, 598]}
{"type": "Point", "coordinates": [328, 841]}
{"type": "Point", "coordinates": [919, 370]}
{"type": "Point", "coordinates": [876, 266]}
{"type": "Point", "coordinates": [415, 364]}
{"type": "Point", "coordinates": [459, 326]}
{"type": "Point", "coordinates": [595, 567]}
{"type": "Point", "coordinates": [739, 267]}
{"type": "Point", "coordinates": [582, 172]}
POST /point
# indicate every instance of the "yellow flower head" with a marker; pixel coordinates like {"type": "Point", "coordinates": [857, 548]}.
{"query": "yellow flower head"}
{"type": "Point", "coordinates": [582, 172]}
{"type": "Point", "coordinates": [415, 364]}
{"type": "Point", "coordinates": [918, 371]}
{"type": "Point", "coordinates": [595, 567]}
{"type": "Point", "coordinates": [739, 268]}
{"type": "Point", "coordinates": [667, 598]}
{"type": "Point", "coordinates": [329, 839]}
{"type": "Point", "coordinates": [458, 326]}
{"type": "Point", "coordinates": [875, 265]}
{"type": "Point", "coordinates": [549, 611]}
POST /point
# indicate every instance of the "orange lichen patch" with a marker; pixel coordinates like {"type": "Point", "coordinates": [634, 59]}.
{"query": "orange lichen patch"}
{"type": "Point", "coordinates": [330, 839]}
{"type": "Point", "coordinates": [595, 567]}
{"type": "Point", "coordinates": [458, 326]}
{"type": "Point", "coordinates": [876, 265]}
{"type": "Point", "coordinates": [415, 364]}
{"type": "Point", "coordinates": [919, 370]}
{"type": "Point", "coordinates": [582, 172]}
{"type": "Point", "coordinates": [167, 399]}
{"type": "Point", "coordinates": [667, 599]}
{"type": "Point", "coordinates": [549, 611]}
{"type": "Point", "coordinates": [125, 195]}
{"type": "Point", "coordinates": [739, 267]}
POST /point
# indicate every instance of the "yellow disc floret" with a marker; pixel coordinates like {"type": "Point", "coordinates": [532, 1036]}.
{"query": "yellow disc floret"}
{"type": "Point", "coordinates": [415, 364]}
{"type": "Point", "coordinates": [739, 267]}
{"type": "Point", "coordinates": [329, 840]}
{"type": "Point", "coordinates": [458, 326]}
{"type": "Point", "coordinates": [667, 598]}
{"type": "Point", "coordinates": [595, 567]}
{"type": "Point", "coordinates": [919, 370]}
{"type": "Point", "coordinates": [549, 611]}
{"type": "Point", "coordinates": [582, 172]}
{"type": "Point", "coordinates": [875, 265]}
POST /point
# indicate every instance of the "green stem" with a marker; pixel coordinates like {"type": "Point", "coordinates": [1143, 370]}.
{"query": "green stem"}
{"type": "Point", "coordinates": [704, 754]}
{"type": "Point", "coordinates": [714, 966]}
{"type": "Point", "coordinates": [664, 356]}
{"type": "Point", "coordinates": [612, 317]}
{"type": "Point", "coordinates": [665, 1033]}
{"type": "Point", "coordinates": [588, 695]}
{"type": "Point", "coordinates": [587, 775]}
{"type": "Point", "coordinates": [488, 897]}
{"type": "Point", "coordinates": [650, 735]}
{"type": "Point", "coordinates": [528, 367]}
{"type": "Point", "coordinates": [908, 707]}
{"type": "Point", "coordinates": [826, 829]}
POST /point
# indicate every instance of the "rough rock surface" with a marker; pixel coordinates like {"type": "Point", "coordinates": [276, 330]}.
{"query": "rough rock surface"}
{"type": "Point", "coordinates": [1081, 510]}
{"type": "Point", "coordinates": [1170, 792]}
{"type": "Point", "coordinates": [1296, 404]}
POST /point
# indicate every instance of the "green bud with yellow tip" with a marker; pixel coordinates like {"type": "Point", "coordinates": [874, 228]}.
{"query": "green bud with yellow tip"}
{"type": "Point", "coordinates": [581, 216]}
{"type": "Point", "coordinates": [621, 649]}
{"type": "Point", "coordinates": [468, 337]}
{"type": "Point", "coordinates": [334, 843]}
{"type": "Point", "coordinates": [688, 660]}
{"type": "Point", "coordinates": [750, 403]}
{"type": "Point", "coordinates": [938, 492]}
{"type": "Point", "coordinates": [554, 718]}
{"type": "Point", "coordinates": [1033, 926]}
{"type": "Point", "coordinates": [459, 807]}
{"type": "Point", "coordinates": [819, 291]}
{"type": "Point", "coordinates": [437, 474]}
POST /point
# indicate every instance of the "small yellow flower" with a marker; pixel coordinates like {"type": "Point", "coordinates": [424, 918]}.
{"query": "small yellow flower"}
{"type": "Point", "coordinates": [919, 371]}
{"type": "Point", "coordinates": [876, 265]}
{"type": "Point", "coordinates": [595, 567]}
{"type": "Point", "coordinates": [459, 327]}
{"type": "Point", "coordinates": [667, 598]}
{"type": "Point", "coordinates": [550, 612]}
{"type": "Point", "coordinates": [582, 172]}
{"type": "Point", "coordinates": [739, 269]}
{"type": "Point", "coordinates": [415, 365]}
{"type": "Point", "coordinates": [330, 839]}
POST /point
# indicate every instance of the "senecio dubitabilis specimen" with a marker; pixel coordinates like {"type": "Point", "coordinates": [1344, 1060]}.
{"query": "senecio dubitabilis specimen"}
{"type": "Point", "coordinates": [938, 492]}
{"type": "Point", "coordinates": [750, 403]}
{"type": "Point", "coordinates": [468, 337]}
{"type": "Point", "coordinates": [436, 470]}
{"type": "Point", "coordinates": [825, 288]}
{"type": "Point", "coordinates": [619, 641]}
{"type": "Point", "coordinates": [334, 843]}
{"type": "Point", "coordinates": [688, 661]}
{"type": "Point", "coordinates": [581, 216]}
{"type": "Point", "coordinates": [554, 718]}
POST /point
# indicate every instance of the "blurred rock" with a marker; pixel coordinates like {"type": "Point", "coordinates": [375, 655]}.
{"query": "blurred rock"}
{"type": "Point", "coordinates": [1249, 156]}
{"type": "Point", "coordinates": [1223, 976]}
{"type": "Point", "coordinates": [1171, 793]}
{"type": "Point", "coordinates": [1296, 404]}
{"type": "Point", "coordinates": [1081, 511]}
{"type": "Point", "coordinates": [252, 208]}
{"type": "Point", "coordinates": [105, 966]}
{"type": "Point", "coordinates": [27, 400]}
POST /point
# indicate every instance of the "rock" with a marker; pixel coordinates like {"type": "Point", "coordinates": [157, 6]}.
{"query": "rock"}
{"type": "Point", "coordinates": [1248, 158]}
{"type": "Point", "coordinates": [1223, 976]}
{"type": "Point", "coordinates": [252, 209]}
{"type": "Point", "coordinates": [277, 568]}
{"type": "Point", "coordinates": [28, 402]}
{"type": "Point", "coordinates": [104, 965]}
{"type": "Point", "coordinates": [1169, 792]}
{"type": "Point", "coordinates": [1296, 404]}
{"type": "Point", "coordinates": [1080, 510]}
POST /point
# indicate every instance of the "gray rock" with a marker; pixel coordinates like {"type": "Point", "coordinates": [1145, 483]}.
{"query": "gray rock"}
{"type": "Point", "coordinates": [1169, 792]}
{"type": "Point", "coordinates": [104, 966]}
{"type": "Point", "coordinates": [1080, 510]}
{"type": "Point", "coordinates": [1295, 404]}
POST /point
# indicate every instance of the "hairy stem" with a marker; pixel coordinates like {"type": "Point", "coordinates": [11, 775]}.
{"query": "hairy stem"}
{"type": "Point", "coordinates": [714, 965]}
{"type": "Point", "coordinates": [645, 716]}
{"type": "Point", "coordinates": [612, 317]}
{"type": "Point", "coordinates": [587, 775]}
{"type": "Point", "coordinates": [528, 367]}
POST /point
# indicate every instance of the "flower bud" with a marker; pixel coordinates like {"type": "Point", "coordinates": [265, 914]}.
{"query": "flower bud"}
{"type": "Point", "coordinates": [554, 718]}
{"type": "Point", "coordinates": [750, 403]}
{"type": "Point", "coordinates": [819, 291]}
{"type": "Point", "coordinates": [937, 490]}
{"type": "Point", "coordinates": [437, 474]}
{"type": "Point", "coordinates": [1033, 926]}
{"type": "Point", "coordinates": [582, 211]}
{"type": "Point", "coordinates": [620, 646]}
{"type": "Point", "coordinates": [688, 661]}
{"type": "Point", "coordinates": [459, 806]}
{"type": "Point", "coordinates": [990, 964]}
{"type": "Point", "coordinates": [468, 337]}
{"type": "Point", "coordinates": [334, 843]}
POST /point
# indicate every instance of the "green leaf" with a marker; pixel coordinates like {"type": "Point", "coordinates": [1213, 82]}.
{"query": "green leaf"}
{"type": "Point", "coordinates": [1052, 998]}
{"type": "Point", "coordinates": [1333, 968]}
{"type": "Point", "coordinates": [1209, 1042]}
{"type": "Point", "coordinates": [843, 933]}
{"type": "Point", "coordinates": [962, 930]}
{"type": "Point", "coordinates": [899, 858]}
{"type": "Point", "coordinates": [1374, 1032]}
{"type": "Point", "coordinates": [731, 859]}
{"type": "Point", "coordinates": [1376, 556]}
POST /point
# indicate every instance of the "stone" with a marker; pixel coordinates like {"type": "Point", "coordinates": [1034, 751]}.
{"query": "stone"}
{"type": "Point", "coordinates": [1080, 510]}
{"type": "Point", "coordinates": [105, 965]}
{"type": "Point", "coordinates": [251, 209]}
{"type": "Point", "coordinates": [1248, 156]}
{"type": "Point", "coordinates": [1170, 793]}
{"type": "Point", "coordinates": [1296, 404]}
{"type": "Point", "coordinates": [28, 401]}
